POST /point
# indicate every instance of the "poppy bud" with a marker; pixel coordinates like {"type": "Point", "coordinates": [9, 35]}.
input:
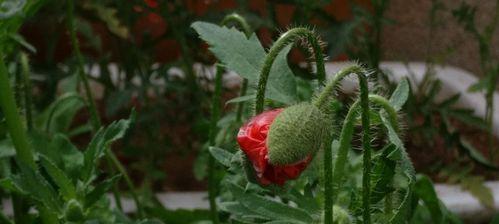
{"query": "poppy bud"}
{"type": "Point", "coordinates": [74, 211]}
{"type": "Point", "coordinates": [295, 134]}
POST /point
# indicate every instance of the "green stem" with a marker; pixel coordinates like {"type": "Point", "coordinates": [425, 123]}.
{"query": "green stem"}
{"type": "Point", "coordinates": [215, 116]}
{"type": "Point", "coordinates": [94, 115]}
{"type": "Point", "coordinates": [287, 38]}
{"type": "Point", "coordinates": [328, 179]}
{"type": "Point", "coordinates": [27, 90]}
{"type": "Point", "coordinates": [238, 20]}
{"type": "Point", "coordinates": [333, 179]}
{"type": "Point", "coordinates": [24, 152]}
{"type": "Point", "coordinates": [128, 181]}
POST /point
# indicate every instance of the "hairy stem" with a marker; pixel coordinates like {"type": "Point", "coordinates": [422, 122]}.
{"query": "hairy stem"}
{"type": "Point", "coordinates": [24, 152]}
{"type": "Point", "coordinates": [287, 38]}
{"type": "Point", "coordinates": [27, 91]}
{"type": "Point", "coordinates": [333, 178]}
{"type": "Point", "coordinates": [238, 20]}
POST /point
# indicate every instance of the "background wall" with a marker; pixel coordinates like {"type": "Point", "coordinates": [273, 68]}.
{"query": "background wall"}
{"type": "Point", "coordinates": [407, 38]}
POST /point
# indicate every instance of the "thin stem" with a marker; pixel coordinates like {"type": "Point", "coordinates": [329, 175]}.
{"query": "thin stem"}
{"type": "Point", "coordinates": [128, 181]}
{"type": "Point", "coordinates": [24, 152]}
{"type": "Point", "coordinates": [215, 116]}
{"type": "Point", "coordinates": [328, 179]}
{"type": "Point", "coordinates": [238, 20]}
{"type": "Point", "coordinates": [94, 115]}
{"type": "Point", "coordinates": [333, 179]}
{"type": "Point", "coordinates": [330, 88]}
{"type": "Point", "coordinates": [27, 90]}
{"type": "Point", "coordinates": [287, 38]}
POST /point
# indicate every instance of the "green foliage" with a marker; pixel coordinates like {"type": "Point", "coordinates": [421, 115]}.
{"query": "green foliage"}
{"type": "Point", "coordinates": [245, 56]}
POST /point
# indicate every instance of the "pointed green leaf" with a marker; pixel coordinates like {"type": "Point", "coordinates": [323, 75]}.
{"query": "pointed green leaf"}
{"type": "Point", "coordinates": [246, 56]}
{"type": "Point", "coordinates": [66, 187]}
{"type": "Point", "coordinates": [95, 194]}
{"type": "Point", "coordinates": [400, 95]}
{"type": "Point", "coordinates": [269, 208]}
{"type": "Point", "coordinates": [221, 155]}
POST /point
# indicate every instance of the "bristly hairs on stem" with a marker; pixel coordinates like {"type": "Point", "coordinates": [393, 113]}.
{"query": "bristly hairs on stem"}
{"type": "Point", "coordinates": [284, 40]}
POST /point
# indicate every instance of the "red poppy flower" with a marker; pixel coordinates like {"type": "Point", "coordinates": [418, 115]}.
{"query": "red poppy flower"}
{"type": "Point", "coordinates": [252, 139]}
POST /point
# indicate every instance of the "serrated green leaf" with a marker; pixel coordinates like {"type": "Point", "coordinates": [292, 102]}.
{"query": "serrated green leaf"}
{"type": "Point", "coordinates": [400, 95]}
{"type": "Point", "coordinates": [102, 139]}
{"type": "Point", "coordinates": [221, 155]}
{"type": "Point", "coordinates": [269, 208]}
{"type": "Point", "coordinates": [475, 154]}
{"type": "Point", "coordinates": [95, 194]}
{"type": "Point", "coordinates": [246, 56]}
{"type": "Point", "coordinates": [425, 191]}
{"type": "Point", "coordinates": [66, 187]}
{"type": "Point", "coordinates": [59, 115]}
{"type": "Point", "coordinates": [382, 175]}
{"type": "Point", "coordinates": [43, 192]}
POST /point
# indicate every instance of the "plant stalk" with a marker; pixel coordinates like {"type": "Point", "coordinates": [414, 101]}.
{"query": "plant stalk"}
{"type": "Point", "coordinates": [215, 116]}
{"type": "Point", "coordinates": [287, 38]}
{"type": "Point", "coordinates": [24, 152]}
{"type": "Point", "coordinates": [94, 115]}
{"type": "Point", "coordinates": [345, 142]}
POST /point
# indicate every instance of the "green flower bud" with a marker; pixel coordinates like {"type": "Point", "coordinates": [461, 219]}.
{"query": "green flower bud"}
{"type": "Point", "coordinates": [296, 134]}
{"type": "Point", "coordinates": [74, 211]}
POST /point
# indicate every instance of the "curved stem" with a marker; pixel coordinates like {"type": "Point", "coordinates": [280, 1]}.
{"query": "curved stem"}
{"type": "Point", "coordinates": [287, 38]}
{"type": "Point", "coordinates": [61, 101]}
{"type": "Point", "coordinates": [215, 116]}
{"type": "Point", "coordinates": [24, 152]}
{"type": "Point", "coordinates": [238, 20]}
{"type": "Point", "coordinates": [330, 88]}
{"type": "Point", "coordinates": [333, 178]}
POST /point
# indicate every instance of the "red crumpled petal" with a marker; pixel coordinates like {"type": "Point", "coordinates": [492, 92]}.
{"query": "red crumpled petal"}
{"type": "Point", "coordinates": [252, 139]}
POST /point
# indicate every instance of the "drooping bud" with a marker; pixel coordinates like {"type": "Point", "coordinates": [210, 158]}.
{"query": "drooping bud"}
{"type": "Point", "coordinates": [296, 134]}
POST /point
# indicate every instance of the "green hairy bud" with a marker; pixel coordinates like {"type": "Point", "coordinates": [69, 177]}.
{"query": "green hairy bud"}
{"type": "Point", "coordinates": [74, 211]}
{"type": "Point", "coordinates": [296, 133]}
